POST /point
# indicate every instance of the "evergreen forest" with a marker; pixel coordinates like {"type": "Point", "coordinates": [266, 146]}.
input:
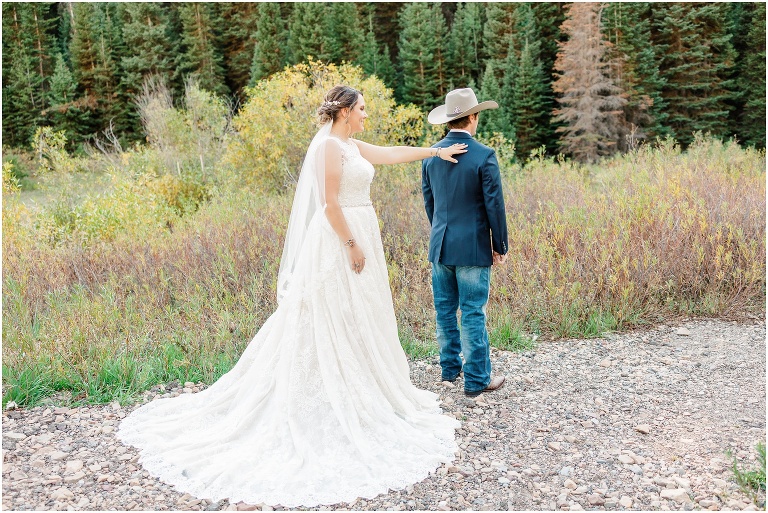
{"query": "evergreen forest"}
{"type": "Point", "coordinates": [583, 79]}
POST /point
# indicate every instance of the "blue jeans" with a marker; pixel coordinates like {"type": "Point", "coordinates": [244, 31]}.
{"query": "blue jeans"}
{"type": "Point", "coordinates": [462, 288]}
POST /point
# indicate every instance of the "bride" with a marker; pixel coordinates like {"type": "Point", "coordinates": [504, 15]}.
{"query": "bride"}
{"type": "Point", "coordinates": [320, 408]}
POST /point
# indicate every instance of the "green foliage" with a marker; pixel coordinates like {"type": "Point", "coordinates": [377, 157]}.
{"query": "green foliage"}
{"type": "Point", "coordinates": [238, 23]}
{"type": "Point", "coordinates": [271, 38]}
{"type": "Point", "coordinates": [28, 385]}
{"type": "Point", "coordinates": [376, 61]}
{"type": "Point", "coordinates": [64, 113]}
{"type": "Point", "coordinates": [465, 45]}
{"type": "Point", "coordinates": [508, 335]}
{"type": "Point", "coordinates": [191, 138]}
{"type": "Point", "coordinates": [706, 61]}
{"type": "Point", "coordinates": [497, 31]}
{"type": "Point", "coordinates": [493, 121]}
{"type": "Point", "coordinates": [306, 36]}
{"type": "Point", "coordinates": [528, 97]}
{"type": "Point", "coordinates": [200, 58]}
{"type": "Point", "coordinates": [515, 77]}
{"type": "Point", "coordinates": [636, 68]}
{"type": "Point", "coordinates": [342, 33]}
{"type": "Point", "coordinates": [51, 152]}
{"type": "Point", "coordinates": [422, 55]}
{"type": "Point", "coordinates": [749, 119]}
{"type": "Point", "coordinates": [695, 55]}
{"type": "Point", "coordinates": [416, 349]}
{"type": "Point", "coordinates": [28, 50]}
{"type": "Point", "coordinates": [751, 482]}
{"type": "Point", "coordinates": [147, 33]}
{"type": "Point", "coordinates": [11, 182]}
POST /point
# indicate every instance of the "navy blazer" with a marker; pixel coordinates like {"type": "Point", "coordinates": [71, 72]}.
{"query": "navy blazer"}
{"type": "Point", "coordinates": [464, 204]}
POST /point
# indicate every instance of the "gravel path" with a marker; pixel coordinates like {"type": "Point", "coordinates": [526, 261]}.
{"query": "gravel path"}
{"type": "Point", "coordinates": [633, 421]}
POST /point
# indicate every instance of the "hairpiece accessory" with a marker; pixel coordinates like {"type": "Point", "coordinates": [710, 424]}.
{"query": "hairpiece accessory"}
{"type": "Point", "coordinates": [326, 103]}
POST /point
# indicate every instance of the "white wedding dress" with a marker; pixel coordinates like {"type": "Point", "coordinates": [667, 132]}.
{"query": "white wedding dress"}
{"type": "Point", "coordinates": [320, 408]}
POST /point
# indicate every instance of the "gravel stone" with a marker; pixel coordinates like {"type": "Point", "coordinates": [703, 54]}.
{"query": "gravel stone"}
{"type": "Point", "coordinates": [566, 432]}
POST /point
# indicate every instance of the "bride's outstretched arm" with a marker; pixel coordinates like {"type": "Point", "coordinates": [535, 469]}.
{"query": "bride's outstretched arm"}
{"type": "Point", "coordinates": [333, 210]}
{"type": "Point", "coordinates": [401, 154]}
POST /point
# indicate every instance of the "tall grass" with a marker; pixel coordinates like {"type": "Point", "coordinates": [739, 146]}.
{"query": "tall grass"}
{"type": "Point", "coordinates": [166, 273]}
{"type": "Point", "coordinates": [645, 237]}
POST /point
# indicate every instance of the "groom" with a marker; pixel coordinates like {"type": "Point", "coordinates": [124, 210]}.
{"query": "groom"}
{"type": "Point", "coordinates": [465, 206]}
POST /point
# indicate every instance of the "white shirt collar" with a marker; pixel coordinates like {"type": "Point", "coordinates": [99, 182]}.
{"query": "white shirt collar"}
{"type": "Point", "coordinates": [460, 130]}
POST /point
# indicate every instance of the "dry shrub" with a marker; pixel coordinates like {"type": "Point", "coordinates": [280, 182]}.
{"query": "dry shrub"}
{"type": "Point", "coordinates": [190, 136]}
{"type": "Point", "coordinates": [647, 236]}
{"type": "Point", "coordinates": [206, 287]}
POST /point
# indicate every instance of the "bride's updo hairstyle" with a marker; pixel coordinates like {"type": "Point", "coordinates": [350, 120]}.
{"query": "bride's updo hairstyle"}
{"type": "Point", "coordinates": [338, 98]}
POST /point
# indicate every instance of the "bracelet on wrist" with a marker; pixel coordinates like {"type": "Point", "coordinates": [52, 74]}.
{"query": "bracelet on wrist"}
{"type": "Point", "coordinates": [350, 243]}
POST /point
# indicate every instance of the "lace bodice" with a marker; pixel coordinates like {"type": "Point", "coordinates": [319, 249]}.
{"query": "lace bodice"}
{"type": "Point", "coordinates": [356, 177]}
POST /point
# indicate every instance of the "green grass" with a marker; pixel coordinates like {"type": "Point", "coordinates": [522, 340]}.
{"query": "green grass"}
{"type": "Point", "coordinates": [751, 482]}
{"type": "Point", "coordinates": [415, 348]}
{"type": "Point", "coordinates": [120, 378]}
{"type": "Point", "coordinates": [509, 336]}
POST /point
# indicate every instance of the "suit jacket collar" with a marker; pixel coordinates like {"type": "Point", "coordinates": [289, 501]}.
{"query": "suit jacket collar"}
{"type": "Point", "coordinates": [458, 135]}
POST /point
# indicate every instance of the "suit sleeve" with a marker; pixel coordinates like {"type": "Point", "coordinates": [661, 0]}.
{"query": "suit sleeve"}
{"type": "Point", "coordinates": [494, 203]}
{"type": "Point", "coordinates": [426, 189]}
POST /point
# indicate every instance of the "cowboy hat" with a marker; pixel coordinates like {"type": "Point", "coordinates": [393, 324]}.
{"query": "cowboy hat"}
{"type": "Point", "coordinates": [459, 103]}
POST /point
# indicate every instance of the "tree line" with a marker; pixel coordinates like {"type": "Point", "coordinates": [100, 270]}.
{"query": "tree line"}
{"type": "Point", "coordinates": [585, 79]}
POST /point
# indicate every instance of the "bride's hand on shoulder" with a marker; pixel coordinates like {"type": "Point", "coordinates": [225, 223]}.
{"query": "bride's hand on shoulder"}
{"type": "Point", "coordinates": [356, 258]}
{"type": "Point", "coordinates": [450, 151]}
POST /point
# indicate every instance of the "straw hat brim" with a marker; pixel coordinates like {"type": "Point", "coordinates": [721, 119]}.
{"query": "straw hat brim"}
{"type": "Point", "coordinates": [439, 115]}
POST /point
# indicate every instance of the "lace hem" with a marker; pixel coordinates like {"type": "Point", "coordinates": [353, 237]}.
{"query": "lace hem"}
{"type": "Point", "coordinates": [308, 496]}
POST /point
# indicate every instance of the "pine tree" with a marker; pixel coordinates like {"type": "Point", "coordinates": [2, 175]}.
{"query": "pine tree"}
{"type": "Point", "coordinates": [373, 60]}
{"type": "Point", "coordinates": [527, 92]}
{"type": "Point", "coordinates": [64, 112]}
{"type": "Point", "coordinates": [238, 24]}
{"type": "Point", "coordinates": [635, 68]}
{"type": "Point", "coordinates": [422, 52]}
{"type": "Point", "coordinates": [343, 35]}
{"type": "Point", "coordinates": [27, 48]}
{"type": "Point", "coordinates": [63, 85]}
{"type": "Point", "coordinates": [116, 108]}
{"type": "Point", "coordinates": [590, 104]}
{"type": "Point", "coordinates": [748, 29]}
{"type": "Point", "coordinates": [42, 23]}
{"type": "Point", "coordinates": [65, 29]}
{"type": "Point", "coordinates": [549, 17]}
{"type": "Point", "coordinates": [82, 46]}
{"type": "Point", "coordinates": [200, 57]}
{"type": "Point", "coordinates": [529, 98]}
{"type": "Point", "coordinates": [494, 121]}
{"type": "Point", "coordinates": [464, 44]}
{"type": "Point", "coordinates": [696, 57]}
{"type": "Point", "coordinates": [96, 48]}
{"type": "Point", "coordinates": [497, 30]}
{"type": "Point", "coordinates": [509, 83]}
{"type": "Point", "coordinates": [147, 32]}
{"type": "Point", "coordinates": [386, 24]}
{"type": "Point", "coordinates": [269, 49]}
{"type": "Point", "coordinates": [306, 37]}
